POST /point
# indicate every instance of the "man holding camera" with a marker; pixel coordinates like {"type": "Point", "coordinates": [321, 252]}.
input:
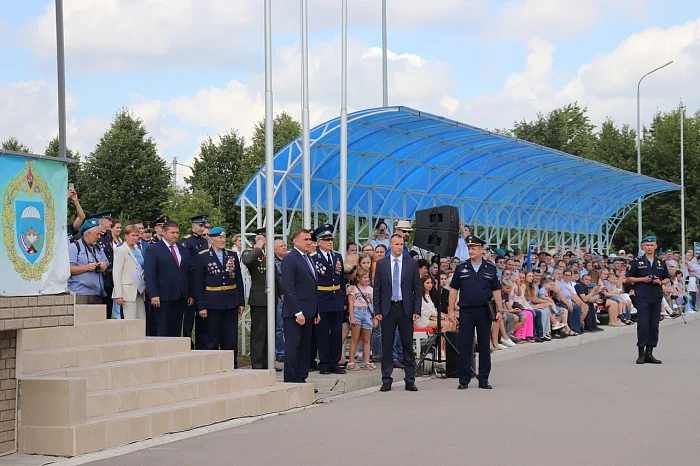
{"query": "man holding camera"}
{"type": "Point", "coordinates": [648, 274]}
{"type": "Point", "coordinates": [87, 263]}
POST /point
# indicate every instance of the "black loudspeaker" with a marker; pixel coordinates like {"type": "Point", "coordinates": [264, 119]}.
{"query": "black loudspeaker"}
{"type": "Point", "coordinates": [452, 360]}
{"type": "Point", "coordinates": [437, 230]}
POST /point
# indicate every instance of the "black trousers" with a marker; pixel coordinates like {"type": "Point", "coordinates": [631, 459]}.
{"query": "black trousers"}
{"type": "Point", "coordinates": [648, 316]}
{"type": "Point", "coordinates": [589, 322]}
{"type": "Point", "coordinates": [188, 322]}
{"type": "Point", "coordinates": [297, 346]}
{"type": "Point", "coordinates": [258, 337]}
{"type": "Point", "coordinates": [108, 301]}
{"type": "Point", "coordinates": [329, 338]}
{"type": "Point", "coordinates": [470, 319]}
{"type": "Point", "coordinates": [168, 318]}
{"type": "Point", "coordinates": [313, 348]}
{"type": "Point", "coordinates": [396, 318]}
{"type": "Point", "coordinates": [222, 326]}
{"type": "Point", "coordinates": [201, 326]}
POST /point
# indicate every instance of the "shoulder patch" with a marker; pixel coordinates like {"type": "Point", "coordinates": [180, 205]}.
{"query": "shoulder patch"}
{"type": "Point", "coordinates": [313, 253]}
{"type": "Point", "coordinates": [187, 236]}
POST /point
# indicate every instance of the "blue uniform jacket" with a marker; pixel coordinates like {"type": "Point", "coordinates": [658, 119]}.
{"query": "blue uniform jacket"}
{"type": "Point", "coordinates": [475, 288]}
{"type": "Point", "coordinates": [217, 285]}
{"type": "Point", "coordinates": [640, 267]}
{"type": "Point", "coordinates": [194, 244]}
{"type": "Point", "coordinates": [330, 285]}
{"type": "Point", "coordinates": [164, 279]}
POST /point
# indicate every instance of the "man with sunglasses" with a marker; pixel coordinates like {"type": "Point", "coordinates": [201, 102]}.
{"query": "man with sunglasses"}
{"type": "Point", "coordinates": [331, 300]}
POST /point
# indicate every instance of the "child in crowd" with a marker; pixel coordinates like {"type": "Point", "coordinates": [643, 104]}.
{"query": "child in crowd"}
{"type": "Point", "coordinates": [362, 319]}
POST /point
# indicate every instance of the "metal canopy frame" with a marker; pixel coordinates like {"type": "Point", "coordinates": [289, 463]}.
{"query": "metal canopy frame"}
{"type": "Point", "coordinates": [401, 160]}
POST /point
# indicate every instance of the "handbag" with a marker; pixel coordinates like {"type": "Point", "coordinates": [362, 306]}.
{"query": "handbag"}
{"type": "Point", "coordinates": [370, 306]}
{"type": "Point", "coordinates": [493, 310]}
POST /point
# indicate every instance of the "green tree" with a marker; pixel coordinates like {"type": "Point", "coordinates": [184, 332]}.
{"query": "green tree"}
{"type": "Point", "coordinates": [567, 129]}
{"type": "Point", "coordinates": [219, 172]}
{"type": "Point", "coordinates": [284, 130]}
{"type": "Point", "coordinates": [181, 204]}
{"type": "Point", "coordinates": [52, 150]}
{"type": "Point", "coordinates": [13, 144]}
{"type": "Point", "coordinates": [125, 172]}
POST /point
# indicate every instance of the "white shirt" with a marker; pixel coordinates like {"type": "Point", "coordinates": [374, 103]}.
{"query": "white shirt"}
{"type": "Point", "coordinates": [177, 251]}
{"type": "Point", "coordinates": [393, 264]}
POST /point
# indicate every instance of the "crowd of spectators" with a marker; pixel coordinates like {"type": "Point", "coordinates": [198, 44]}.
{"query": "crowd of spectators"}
{"type": "Point", "coordinates": [549, 293]}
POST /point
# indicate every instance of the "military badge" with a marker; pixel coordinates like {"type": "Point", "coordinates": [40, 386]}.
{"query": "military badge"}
{"type": "Point", "coordinates": [29, 223]}
{"type": "Point", "coordinates": [231, 267]}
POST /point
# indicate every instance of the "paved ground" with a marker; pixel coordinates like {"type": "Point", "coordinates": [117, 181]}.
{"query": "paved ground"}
{"type": "Point", "coordinates": [588, 405]}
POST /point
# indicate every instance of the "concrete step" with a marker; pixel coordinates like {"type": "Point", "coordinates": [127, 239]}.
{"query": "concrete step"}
{"type": "Point", "coordinates": [85, 355]}
{"type": "Point", "coordinates": [89, 313]}
{"type": "Point", "coordinates": [141, 371]}
{"type": "Point", "coordinates": [108, 402]}
{"type": "Point", "coordinates": [109, 431]}
{"type": "Point", "coordinates": [91, 332]}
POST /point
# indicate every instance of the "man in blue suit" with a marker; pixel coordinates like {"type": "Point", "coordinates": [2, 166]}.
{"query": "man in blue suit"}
{"type": "Point", "coordinates": [397, 304]}
{"type": "Point", "coordinates": [169, 281]}
{"type": "Point", "coordinates": [300, 309]}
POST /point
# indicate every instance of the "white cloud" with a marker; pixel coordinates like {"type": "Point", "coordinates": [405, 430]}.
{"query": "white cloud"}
{"type": "Point", "coordinates": [143, 35]}
{"type": "Point", "coordinates": [564, 19]}
{"type": "Point", "coordinates": [606, 85]}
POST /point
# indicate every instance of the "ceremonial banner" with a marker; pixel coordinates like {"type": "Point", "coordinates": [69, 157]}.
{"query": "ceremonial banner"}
{"type": "Point", "coordinates": [33, 238]}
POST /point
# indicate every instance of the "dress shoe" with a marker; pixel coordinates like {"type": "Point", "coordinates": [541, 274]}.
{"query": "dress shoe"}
{"type": "Point", "coordinates": [278, 369]}
{"type": "Point", "coordinates": [386, 387]}
{"type": "Point", "coordinates": [485, 386]}
{"type": "Point", "coordinates": [462, 386]}
{"type": "Point", "coordinates": [641, 355]}
{"type": "Point", "coordinates": [649, 356]}
{"type": "Point", "coordinates": [324, 371]}
{"type": "Point", "coordinates": [313, 369]}
{"type": "Point", "coordinates": [411, 387]}
{"type": "Point", "coordinates": [315, 390]}
{"type": "Point", "coordinates": [398, 365]}
{"type": "Point", "coordinates": [339, 370]}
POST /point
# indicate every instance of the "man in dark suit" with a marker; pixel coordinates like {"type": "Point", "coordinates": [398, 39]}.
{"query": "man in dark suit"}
{"type": "Point", "coordinates": [300, 309]}
{"type": "Point", "coordinates": [397, 303]}
{"type": "Point", "coordinates": [169, 281]}
{"type": "Point", "coordinates": [195, 243]}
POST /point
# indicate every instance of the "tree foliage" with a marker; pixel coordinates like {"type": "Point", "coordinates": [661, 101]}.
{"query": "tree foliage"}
{"type": "Point", "coordinates": [569, 129]}
{"type": "Point", "coordinates": [182, 204]}
{"type": "Point", "coordinates": [284, 130]}
{"type": "Point", "coordinates": [125, 172]}
{"type": "Point", "coordinates": [13, 144]}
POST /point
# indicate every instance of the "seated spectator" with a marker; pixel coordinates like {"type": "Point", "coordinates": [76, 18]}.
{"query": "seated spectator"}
{"type": "Point", "coordinates": [558, 315]}
{"type": "Point", "coordinates": [612, 293]}
{"type": "Point", "coordinates": [362, 319]}
{"type": "Point", "coordinates": [566, 291]}
{"type": "Point", "coordinates": [428, 316]}
{"type": "Point", "coordinates": [543, 319]}
{"type": "Point", "coordinates": [87, 263]}
{"type": "Point", "coordinates": [127, 261]}
{"type": "Point", "coordinates": [587, 292]}
{"type": "Point", "coordinates": [521, 318]}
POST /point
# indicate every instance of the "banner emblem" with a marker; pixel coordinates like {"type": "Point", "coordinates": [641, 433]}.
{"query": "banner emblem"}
{"type": "Point", "coordinates": [29, 223]}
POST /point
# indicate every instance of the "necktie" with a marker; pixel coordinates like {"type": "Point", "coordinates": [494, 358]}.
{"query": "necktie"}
{"type": "Point", "coordinates": [395, 282]}
{"type": "Point", "coordinates": [140, 247]}
{"type": "Point", "coordinates": [311, 265]}
{"type": "Point", "coordinates": [330, 259]}
{"type": "Point", "coordinates": [172, 251]}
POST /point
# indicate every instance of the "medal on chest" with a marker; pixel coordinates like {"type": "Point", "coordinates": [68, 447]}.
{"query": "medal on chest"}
{"type": "Point", "coordinates": [213, 268]}
{"type": "Point", "coordinates": [337, 267]}
{"type": "Point", "coordinates": [320, 268]}
{"type": "Point", "coordinates": [231, 267]}
{"type": "Point", "coordinates": [262, 265]}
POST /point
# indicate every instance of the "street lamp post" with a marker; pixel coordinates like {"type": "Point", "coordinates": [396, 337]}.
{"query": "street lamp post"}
{"type": "Point", "coordinates": [639, 155]}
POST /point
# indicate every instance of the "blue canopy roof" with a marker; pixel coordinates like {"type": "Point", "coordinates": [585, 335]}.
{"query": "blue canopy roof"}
{"type": "Point", "coordinates": [401, 160]}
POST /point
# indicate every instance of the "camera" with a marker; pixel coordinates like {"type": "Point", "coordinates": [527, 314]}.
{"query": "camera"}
{"type": "Point", "coordinates": [97, 267]}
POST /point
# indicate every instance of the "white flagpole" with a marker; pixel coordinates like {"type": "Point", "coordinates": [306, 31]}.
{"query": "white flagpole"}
{"type": "Point", "coordinates": [269, 190]}
{"type": "Point", "coordinates": [344, 133]}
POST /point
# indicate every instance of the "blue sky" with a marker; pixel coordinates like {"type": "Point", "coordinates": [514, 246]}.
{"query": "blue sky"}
{"type": "Point", "coordinates": [192, 69]}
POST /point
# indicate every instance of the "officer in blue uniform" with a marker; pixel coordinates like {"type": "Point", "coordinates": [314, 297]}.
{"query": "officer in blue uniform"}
{"type": "Point", "coordinates": [158, 229]}
{"type": "Point", "coordinates": [648, 274]}
{"type": "Point", "coordinates": [477, 283]}
{"type": "Point", "coordinates": [148, 230]}
{"type": "Point", "coordinates": [331, 300]}
{"type": "Point", "coordinates": [219, 292]}
{"type": "Point", "coordinates": [195, 243]}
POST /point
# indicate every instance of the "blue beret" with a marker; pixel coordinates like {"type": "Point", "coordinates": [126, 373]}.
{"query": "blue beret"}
{"type": "Point", "coordinates": [89, 223]}
{"type": "Point", "coordinates": [649, 239]}
{"type": "Point", "coordinates": [216, 231]}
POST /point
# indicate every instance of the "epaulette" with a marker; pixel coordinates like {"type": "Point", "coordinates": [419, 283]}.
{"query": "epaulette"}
{"type": "Point", "coordinates": [204, 252]}
{"type": "Point", "coordinates": [313, 253]}
{"type": "Point", "coordinates": [186, 236]}
{"type": "Point", "coordinates": [231, 251]}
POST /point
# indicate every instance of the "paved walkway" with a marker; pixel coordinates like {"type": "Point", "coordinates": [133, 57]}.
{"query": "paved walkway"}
{"type": "Point", "coordinates": [588, 405]}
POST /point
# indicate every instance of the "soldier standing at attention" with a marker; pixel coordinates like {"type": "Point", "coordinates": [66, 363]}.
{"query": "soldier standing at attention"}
{"type": "Point", "coordinates": [195, 243]}
{"type": "Point", "coordinates": [254, 260]}
{"type": "Point", "coordinates": [648, 274]}
{"type": "Point", "coordinates": [158, 229]}
{"type": "Point", "coordinates": [331, 301]}
{"type": "Point", "coordinates": [477, 283]}
{"type": "Point", "coordinates": [219, 292]}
